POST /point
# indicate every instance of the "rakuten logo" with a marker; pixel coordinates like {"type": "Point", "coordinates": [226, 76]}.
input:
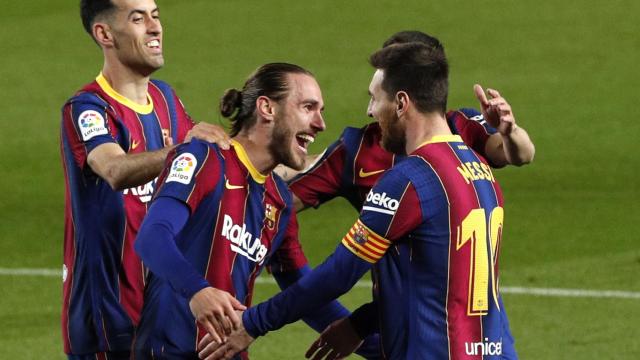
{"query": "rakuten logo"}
{"type": "Point", "coordinates": [389, 205]}
{"type": "Point", "coordinates": [143, 192]}
{"type": "Point", "coordinates": [242, 241]}
{"type": "Point", "coordinates": [483, 348]}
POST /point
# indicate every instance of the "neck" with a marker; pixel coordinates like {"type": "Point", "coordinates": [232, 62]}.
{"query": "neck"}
{"type": "Point", "coordinates": [126, 82]}
{"type": "Point", "coordinates": [257, 147]}
{"type": "Point", "coordinates": [423, 127]}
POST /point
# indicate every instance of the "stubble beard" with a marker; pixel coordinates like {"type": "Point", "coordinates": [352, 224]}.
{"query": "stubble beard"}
{"type": "Point", "coordinates": [393, 136]}
{"type": "Point", "coordinates": [280, 145]}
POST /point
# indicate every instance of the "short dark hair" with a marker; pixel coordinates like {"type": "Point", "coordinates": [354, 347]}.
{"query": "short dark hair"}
{"type": "Point", "coordinates": [407, 36]}
{"type": "Point", "coordinates": [417, 69]}
{"type": "Point", "coordinates": [91, 9]}
{"type": "Point", "coordinates": [268, 80]}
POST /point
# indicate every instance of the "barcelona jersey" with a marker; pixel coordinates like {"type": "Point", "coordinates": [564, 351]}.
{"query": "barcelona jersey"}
{"type": "Point", "coordinates": [240, 221]}
{"type": "Point", "coordinates": [350, 166]}
{"type": "Point", "coordinates": [103, 277]}
{"type": "Point", "coordinates": [433, 228]}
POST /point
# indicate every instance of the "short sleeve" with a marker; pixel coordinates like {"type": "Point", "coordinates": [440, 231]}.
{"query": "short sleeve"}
{"type": "Point", "coordinates": [323, 181]}
{"type": "Point", "coordinates": [472, 128]}
{"type": "Point", "coordinates": [391, 210]}
{"type": "Point", "coordinates": [191, 172]}
{"type": "Point", "coordinates": [86, 124]}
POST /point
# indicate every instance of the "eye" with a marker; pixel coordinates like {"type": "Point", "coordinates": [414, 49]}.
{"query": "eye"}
{"type": "Point", "coordinates": [137, 19]}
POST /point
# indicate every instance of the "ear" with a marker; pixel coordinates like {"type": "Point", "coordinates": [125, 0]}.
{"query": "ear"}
{"type": "Point", "coordinates": [402, 102]}
{"type": "Point", "coordinates": [265, 108]}
{"type": "Point", "coordinates": [102, 34]}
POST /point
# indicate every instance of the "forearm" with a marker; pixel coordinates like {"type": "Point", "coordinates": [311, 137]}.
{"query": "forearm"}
{"type": "Point", "coordinates": [319, 318]}
{"type": "Point", "coordinates": [328, 281]}
{"type": "Point", "coordinates": [158, 250]}
{"type": "Point", "coordinates": [124, 170]}
{"type": "Point", "coordinates": [518, 147]}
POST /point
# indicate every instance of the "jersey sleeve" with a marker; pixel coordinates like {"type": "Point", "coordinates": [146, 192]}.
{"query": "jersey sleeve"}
{"type": "Point", "coordinates": [391, 210]}
{"type": "Point", "coordinates": [323, 180]}
{"type": "Point", "coordinates": [289, 256]}
{"type": "Point", "coordinates": [473, 128]}
{"type": "Point", "coordinates": [185, 122]}
{"type": "Point", "coordinates": [86, 124]}
{"type": "Point", "coordinates": [188, 171]}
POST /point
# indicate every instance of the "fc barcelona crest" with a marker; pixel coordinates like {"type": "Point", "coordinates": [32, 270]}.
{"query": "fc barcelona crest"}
{"type": "Point", "coordinates": [360, 234]}
{"type": "Point", "coordinates": [270, 216]}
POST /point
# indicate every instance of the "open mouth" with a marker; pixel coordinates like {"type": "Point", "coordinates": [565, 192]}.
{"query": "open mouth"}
{"type": "Point", "coordinates": [153, 44]}
{"type": "Point", "coordinates": [304, 140]}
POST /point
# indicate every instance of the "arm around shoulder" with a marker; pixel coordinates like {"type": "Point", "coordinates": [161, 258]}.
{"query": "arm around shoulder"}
{"type": "Point", "coordinates": [122, 170]}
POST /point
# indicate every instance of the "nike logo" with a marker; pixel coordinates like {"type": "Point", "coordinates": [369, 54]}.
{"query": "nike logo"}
{"type": "Point", "coordinates": [134, 144]}
{"type": "Point", "coordinates": [364, 174]}
{"type": "Point", "coordinates": [232, 187]}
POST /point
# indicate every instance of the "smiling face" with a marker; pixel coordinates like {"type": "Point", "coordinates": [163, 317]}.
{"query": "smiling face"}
{"type": "Point", "coordinates": [137, 35]}
{"type": "Point", "coordinates": [298, 119]}
{"type": "Point", "coordinates": [382, 107]}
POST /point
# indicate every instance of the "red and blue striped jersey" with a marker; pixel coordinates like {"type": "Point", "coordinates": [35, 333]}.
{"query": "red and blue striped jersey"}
{"type": "Point", "coordinates": [350, 166]}
{"type": "Point", "coordinates": [240, 221]}
{"type": "Point", "coordinates": [103, 277]}
{"type": "Point", "coordinates": [432, 226]}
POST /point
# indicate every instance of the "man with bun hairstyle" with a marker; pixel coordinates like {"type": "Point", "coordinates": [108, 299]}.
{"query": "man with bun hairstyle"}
{"type": "Point", "coordinates": [115, 134]}
{"type": "Point", "coordinates": [220, 216]}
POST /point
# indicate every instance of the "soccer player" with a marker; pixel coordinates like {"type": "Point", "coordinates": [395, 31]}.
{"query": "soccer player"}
{"type": "Point", "coordinates": [351, 165]}
{"type": "Point", "coordinates": [113, 137]}
{"type": "Point", "coordinates": [220, 216]}
{"type": "Point", "coordinates": [430, 229]}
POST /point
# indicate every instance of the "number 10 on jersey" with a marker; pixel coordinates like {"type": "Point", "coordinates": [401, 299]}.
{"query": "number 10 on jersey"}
{"type": "Point", "coordinates": [473, 231]}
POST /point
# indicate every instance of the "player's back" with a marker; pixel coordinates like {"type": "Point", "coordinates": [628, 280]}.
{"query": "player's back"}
{"type": "Point", "coordinates": [436, 288]}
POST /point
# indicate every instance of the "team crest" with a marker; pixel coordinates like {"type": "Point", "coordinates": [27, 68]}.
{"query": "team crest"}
{"type": "Point", "coordinates": [91, 123]}
{"type": "Point", "coordinates": [182, 168]}
{"type": "Point", "coordinates": [270, 216]}
{"type": "Point", "coordinates": [361, 234]}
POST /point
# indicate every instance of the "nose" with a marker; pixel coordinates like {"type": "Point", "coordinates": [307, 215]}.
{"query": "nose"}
{"type": "Point", "coordinates": [154, 27]}
{"type": "Point", "coordinates": [369, 112]}
{"type": "Point", "coordinates": [318, 122]}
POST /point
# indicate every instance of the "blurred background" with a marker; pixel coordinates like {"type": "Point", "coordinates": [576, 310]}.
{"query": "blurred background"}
{"type": "Point", "coordinates": [569, 70]}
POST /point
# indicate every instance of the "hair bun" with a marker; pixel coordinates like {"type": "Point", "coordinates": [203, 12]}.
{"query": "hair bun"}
{"type": "Point", "coordinates": [231, 100]}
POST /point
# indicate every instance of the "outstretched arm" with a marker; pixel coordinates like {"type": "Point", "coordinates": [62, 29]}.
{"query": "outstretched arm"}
{"type": "Point", "coordinates": [511, 145]}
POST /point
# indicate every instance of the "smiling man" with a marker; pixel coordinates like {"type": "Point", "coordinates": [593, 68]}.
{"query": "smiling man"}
{"type": "Point", "coordinates": [115, 134]}
{"type": "Point", "coordinates": [220, 216]}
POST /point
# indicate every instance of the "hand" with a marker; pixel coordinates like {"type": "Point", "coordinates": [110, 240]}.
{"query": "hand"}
{"type": "Point", "coordinates": [215, 309]}
{"type": "Point", "coordinates": [496, 111]}
{"type": "Point", "coordinates": [239, 340]}
{"type": "Point", "coordinates": [337, 341]}
{"type": "Point", "coordinates": [211, 133]}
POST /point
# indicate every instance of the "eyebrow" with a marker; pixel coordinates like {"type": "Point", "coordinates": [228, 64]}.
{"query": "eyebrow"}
{"type": "Point", "coordinates": [142, 12]}
{"type": "Point", "coordinates": [312, 102]}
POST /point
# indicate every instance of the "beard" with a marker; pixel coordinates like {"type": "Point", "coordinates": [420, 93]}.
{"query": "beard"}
{"type": "Point", "coordinates": [280, 145]}
{"type": "Point", "coordinates": [393, 135]}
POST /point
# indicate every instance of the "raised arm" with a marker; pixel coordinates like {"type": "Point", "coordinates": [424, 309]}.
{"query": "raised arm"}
{"type": "Point", "coordinates": [511, 145]}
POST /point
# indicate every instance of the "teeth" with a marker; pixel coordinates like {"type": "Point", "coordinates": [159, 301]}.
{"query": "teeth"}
{"type": "Point", "coordinates": [307, 138]}
{"type": "Point", "coordinates": [153, 43]}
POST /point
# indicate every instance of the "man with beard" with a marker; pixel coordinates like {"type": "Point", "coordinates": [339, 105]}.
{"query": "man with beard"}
{"type": "Point", "coordinates": [114, 138]}
{"type": "Point", "coordinates": [430, 229]}
{"type": "Point", "coordinates": [220, 216]}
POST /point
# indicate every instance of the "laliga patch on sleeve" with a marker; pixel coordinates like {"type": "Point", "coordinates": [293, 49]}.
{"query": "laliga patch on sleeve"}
{"type": "Point", "coordinates": [182, 168]}
{"type": "Point", "coordinates": [91, 123]}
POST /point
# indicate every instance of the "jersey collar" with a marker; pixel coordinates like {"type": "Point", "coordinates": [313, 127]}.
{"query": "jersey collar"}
{"type": "Point", "coordinates": [244, 159]}
{"type": "Point", "coordinates": [140, 109]}
{"type": "Point", "coordinates": [442, 138]}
